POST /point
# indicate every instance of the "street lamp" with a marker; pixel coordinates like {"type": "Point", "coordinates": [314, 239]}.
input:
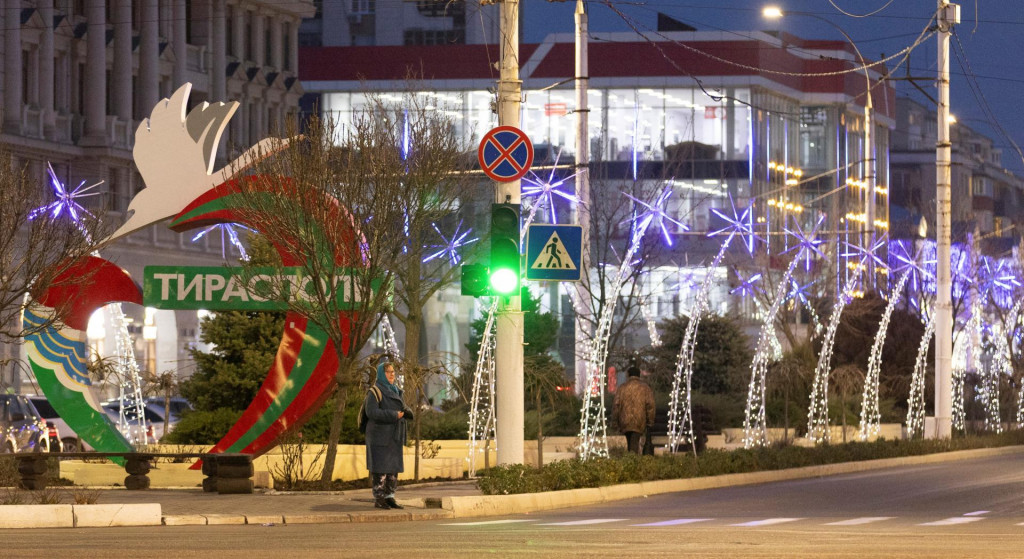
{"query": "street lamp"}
{"type": "Point", "coordinates": [774, 12]}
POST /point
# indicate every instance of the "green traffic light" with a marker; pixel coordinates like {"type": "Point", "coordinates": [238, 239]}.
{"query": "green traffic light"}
{"type": "Point", "coordinates": [504, 281]}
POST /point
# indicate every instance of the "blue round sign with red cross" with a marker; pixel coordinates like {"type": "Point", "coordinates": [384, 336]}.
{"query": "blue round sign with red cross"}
{"type": "Point", "coordinates": [505, 154]}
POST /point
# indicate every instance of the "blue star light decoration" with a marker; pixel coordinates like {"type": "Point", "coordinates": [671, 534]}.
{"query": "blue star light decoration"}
{"type": "Point", "coordinates": [228, 232]}
{"type": "Point", "coordinates": [450, 248]}
{"type": "Point", "coordinates": [747, 287]}
{"type": "Point", "coordinates": [799, 292]}
{"type": "Point", "coordinates": [741, 224]}
{"type": "Point", "coordinates": [915, 264]}
{"type": "Point", "coordinates": [66, 201]}
{"type": "Point", "coordinates": [655, 215]}
{"type": "Point", "coordinates": [1000, 281]}
{"type": "Point", "coordinates": [806, 243]}
{"type": "Point", "coordinates": [544, 191]}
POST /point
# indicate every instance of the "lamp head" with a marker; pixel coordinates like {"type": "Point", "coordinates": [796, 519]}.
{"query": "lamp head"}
{"type": "Point", "coordinates": [772, 12]}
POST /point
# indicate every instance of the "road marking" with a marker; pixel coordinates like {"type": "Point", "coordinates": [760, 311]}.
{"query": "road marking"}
{"type": "Point", "coordinates": [977, 513]}
{"type": "Point", "coordinates": [675, 522]}
{"type": "Point", "coordinates": [859, 521]}
{"type": "Point", "coordinates": [952, 521]}
{"type": "Point", "coordinates": [584, 522]}
{"type": "Point", "coordinates": [767, 522]}
{"type": "Point", "coordinates": [486, 522]}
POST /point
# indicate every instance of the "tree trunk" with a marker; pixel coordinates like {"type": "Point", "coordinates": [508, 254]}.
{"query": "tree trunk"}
{"type": "Point", "coordinates": [416, 470]}
{"type": "Point", "coordinates": [540, 434]}
{"type": "Point", "coordinates": [842, 404]}
{"type": "Point", "coordinates": [785, 415]}
{"type": "Point", "coordinates": [340, 399]}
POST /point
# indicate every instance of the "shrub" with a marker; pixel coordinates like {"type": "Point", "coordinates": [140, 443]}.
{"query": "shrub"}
{"type": "Point", "coordinates": [598, 472]}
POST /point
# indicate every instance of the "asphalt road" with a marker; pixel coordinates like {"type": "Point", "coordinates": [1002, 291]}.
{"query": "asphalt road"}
{"type": "Point", "coordinates": [953, 510]}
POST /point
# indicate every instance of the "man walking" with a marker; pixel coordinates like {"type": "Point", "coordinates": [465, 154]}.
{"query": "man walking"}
{"type": "Point", "coordinates": [633, 410]}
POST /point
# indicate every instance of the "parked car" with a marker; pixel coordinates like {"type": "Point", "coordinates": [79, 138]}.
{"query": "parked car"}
{"type": "Point", "coordinates": [62, 437]}
{"type": "Point", "coordinates": [153, 420]}
{"type": "Point", "coordinates": [178, 406]}
{"type": "Point", "coordinates": [21, 425]}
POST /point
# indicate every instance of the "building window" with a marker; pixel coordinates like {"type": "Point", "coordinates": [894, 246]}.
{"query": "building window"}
{"type": "Point", "coordinates": [435, 37]}
{"type": "Point", "coordinates": [363, 7]}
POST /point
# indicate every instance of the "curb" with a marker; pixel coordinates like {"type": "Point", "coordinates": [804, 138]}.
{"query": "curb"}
{"type": "Point", "coordinates": [501, 505]}
{"type": "Point", "coordinates": [149, 514]}
{"type": "Point", "coordinates": [79, 516]}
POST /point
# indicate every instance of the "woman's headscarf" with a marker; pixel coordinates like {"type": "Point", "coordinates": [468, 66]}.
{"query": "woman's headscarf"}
{"type": "Point", "coordinates": [382, 378]}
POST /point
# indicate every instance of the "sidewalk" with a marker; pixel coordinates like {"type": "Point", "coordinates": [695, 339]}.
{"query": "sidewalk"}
{"type": "Point", "coordinates": [427, 501]}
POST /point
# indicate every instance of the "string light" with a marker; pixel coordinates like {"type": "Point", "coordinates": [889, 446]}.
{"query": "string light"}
{"type": "Point", "coordinates": [228, 232]}
{"type": "Point", "coordinates": [481, 403]}
{"type": "Point", "coordinates": [680, 415]}
{"type": "Point", "coordinates": [593, 428]}
{"type": "Point", "coordinates": [915, 403]}
{"type": "Point", "coordinates": [755, 426]}
{"type": "Point", "coordinates": [870, 415]}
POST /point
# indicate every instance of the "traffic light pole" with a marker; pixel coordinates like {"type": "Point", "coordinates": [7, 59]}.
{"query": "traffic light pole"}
{"type": "Point", "coordinates": [508, 341]}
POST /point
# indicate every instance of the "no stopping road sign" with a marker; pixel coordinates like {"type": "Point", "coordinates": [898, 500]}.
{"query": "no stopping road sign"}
{"type": "Point", "coordinates": [505, 154]}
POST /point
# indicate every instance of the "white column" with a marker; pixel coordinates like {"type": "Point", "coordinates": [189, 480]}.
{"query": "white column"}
{"type": "Point", "coordinates": [293, 46]}
{"type": "Point", "coordinates": [583, 311]}
{"type": "Point", "coordinates": [46, 71]}
{"type": "Point", "coordinates": [95, 93]}
{"type": "Point", "coordinates": [179, 44]}
{"type": "Point", "coordinates": [943, 228]}
{"type": "Point", "coordinates": [508, 339]}
{"type": "Point", "coordinates": [237, 38]}
{"type": "Point", "coordinates": [122, 79]}
{"type": "Point", "coordinates": [218, 81]}
{"type": "Point", "coordinates": [259, 46]}
{"type": "Point", "coordinates": [276, 46]}
{"type": "Point", "coordinates": [149, 57]}
{"type": "Point", "coordinates": [12, 67]}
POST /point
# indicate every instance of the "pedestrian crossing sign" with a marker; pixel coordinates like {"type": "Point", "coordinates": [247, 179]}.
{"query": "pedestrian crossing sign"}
{"type": "Point", "coordinates": [553, 252]}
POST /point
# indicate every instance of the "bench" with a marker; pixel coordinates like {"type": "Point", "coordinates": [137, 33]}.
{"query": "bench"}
{"type": "Point", "coordinates": [226, 473]}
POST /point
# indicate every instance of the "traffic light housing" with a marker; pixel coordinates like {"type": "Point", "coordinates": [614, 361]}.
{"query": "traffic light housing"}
{"type": "Point", "coordinates": [505, 260]}
{"type": "Point", "coordinates": [476, 281]}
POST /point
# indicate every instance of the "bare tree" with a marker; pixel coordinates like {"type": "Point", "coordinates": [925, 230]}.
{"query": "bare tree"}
{"type": "Point", "coordinates": [39, 249]}
{"type": "Point", "coordinates": [847, 380]}
{"type": "Point", "coordinates": [345, 204]}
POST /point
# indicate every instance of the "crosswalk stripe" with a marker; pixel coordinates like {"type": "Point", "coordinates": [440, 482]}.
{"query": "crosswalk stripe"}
{"type": "Point", "coordinates": [952, 521]}
{"type": "Point", "coordinates": [859, 521]}
{"type": "Point", "coordinates": [583, 522]}
{"type": "Point", "coordinates": [484, 522]}
{"type": "Point", "coordinates": [766, 522]}
{"type": "Point", "coordinates": [675, 522]}
{"type": "Point", "coordinates": [977, 513]}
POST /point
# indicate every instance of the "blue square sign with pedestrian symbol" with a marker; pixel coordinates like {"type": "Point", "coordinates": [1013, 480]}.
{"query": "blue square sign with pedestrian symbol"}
{"type": "Point", "coordinates": [553, 252]}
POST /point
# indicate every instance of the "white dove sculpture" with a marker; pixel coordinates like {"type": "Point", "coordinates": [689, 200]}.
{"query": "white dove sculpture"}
{"type": "Point", "coordinates": [175, 153]}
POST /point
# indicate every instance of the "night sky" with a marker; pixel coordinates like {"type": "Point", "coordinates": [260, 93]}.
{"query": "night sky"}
{"type": "Point", "coordinates": [991, 39]}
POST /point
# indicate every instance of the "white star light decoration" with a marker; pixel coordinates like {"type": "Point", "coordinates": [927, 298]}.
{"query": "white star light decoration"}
{"type": "Point", "coordinates": [655, 215]}
{"type": "Point", "coordinates": [228, 232]}
{"type": "Point", "coordinates": [451, 246]}
{"type": "Point", "coordinates": [741, 224]}
{"type": "Point", "coordinates": [544, 191]}
{"type": "Point", "coordinates": [806, 243]}
{"type": "Point", "coordinates": [67, 201]}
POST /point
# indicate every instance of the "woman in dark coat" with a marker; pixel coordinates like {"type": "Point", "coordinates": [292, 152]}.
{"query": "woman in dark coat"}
{"type": "Point", "coordinates": [385, 437]}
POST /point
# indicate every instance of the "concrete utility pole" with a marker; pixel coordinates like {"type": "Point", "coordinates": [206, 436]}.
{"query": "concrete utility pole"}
{"type": "Point", "coordinates": [508, 340]}
{"type": "Point", "coordinates": [583, 309]}
{"type": "Point", "coordinates": [948, 16]}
